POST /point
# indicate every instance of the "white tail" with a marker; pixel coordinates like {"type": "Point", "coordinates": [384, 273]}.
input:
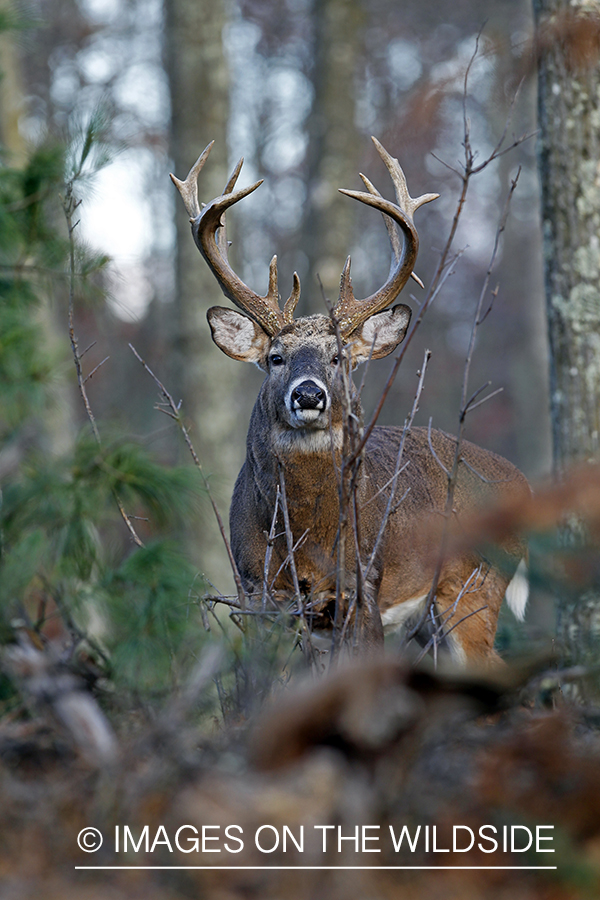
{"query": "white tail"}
{"type": "Point", "coordinates": [517, 592]}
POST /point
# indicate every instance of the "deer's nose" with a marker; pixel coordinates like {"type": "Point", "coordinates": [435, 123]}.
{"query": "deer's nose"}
{"type": "Point", "coordinates": [308, 395]}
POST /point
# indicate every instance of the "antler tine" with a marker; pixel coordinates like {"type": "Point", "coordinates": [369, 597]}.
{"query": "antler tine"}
{"type": "Point", "coordinates": [350, 312]}
{"type": "Point", "coordinates": [189, 188]}
{"type": "Point", "coordinates": [264, 310]}
{"type": "Point", "coordinates": [292, 301]}
{"type": "Point", "coordinates": [208, 230]}
{"type": "Point", "coordinates": [221, 233]}
{"type": "Point", "coordinates": [391, 230]}
{"type": "Point", "coordinates": [405, 201]}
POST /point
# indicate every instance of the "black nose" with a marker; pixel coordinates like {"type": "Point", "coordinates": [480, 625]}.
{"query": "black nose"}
{"type": "Point", "coordinates": [308, 395]}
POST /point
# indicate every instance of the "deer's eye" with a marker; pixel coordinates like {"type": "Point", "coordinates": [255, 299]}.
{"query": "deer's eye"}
{"type": "Point", "coordinates": [276, 360]}
{"type": "Point", "coordinates": [335, 360]}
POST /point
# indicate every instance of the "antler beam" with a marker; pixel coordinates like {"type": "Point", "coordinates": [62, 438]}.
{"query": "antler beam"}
{"type": "Point", "coordinates": [208, 230]}
{"type": "Point", "coordinates": [351, 312]}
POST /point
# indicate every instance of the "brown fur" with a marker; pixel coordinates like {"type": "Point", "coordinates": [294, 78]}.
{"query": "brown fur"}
{"type": "Point", "coordinates": [296, 429]}
{"type": "Point", "coordinates": [405, 559]}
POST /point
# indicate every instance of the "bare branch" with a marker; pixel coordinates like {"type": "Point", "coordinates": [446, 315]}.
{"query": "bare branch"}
{"type": "Point", "coordinates": [433, 452]}
{"type": "Point", "coordinates": [70, 204]}
{"type": "Point", "coordinates": [464, 406]}
{"type": "Point", "coordinates": [93, 372]}
{"type": "Point", "coordinates": [482, 477]}
{"type": "Point", "coordinates": [445, 269]}
{"type": "Point", "coordinates": [269, 550]}
{"type": "Point", "coordinates": [288, 533]}
{"type": "Point", "coordinates": [476, 394]}
{"type": "Point", "coordinates": [477, 319]}
{"type": "Point", "coordinates": [447, 165]}
{"type": "Point", "coordinates": [471, 406]}
{"type": "Point", "coordinates": [383, 487]}
{"type": "Point", "coordinates": [497, 154]}
{"type": "Point", "coordinates": [175, 413]}
{"type": "Point", "coordinates": [390, 507]}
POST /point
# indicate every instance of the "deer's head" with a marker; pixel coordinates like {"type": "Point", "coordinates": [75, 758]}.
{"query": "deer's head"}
{"type": "Point", "coordinates": [301, 356]}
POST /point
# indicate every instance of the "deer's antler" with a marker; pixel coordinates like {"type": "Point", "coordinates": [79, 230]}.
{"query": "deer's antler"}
{"type": "Point", "coordinates": [351, 312]}
{"type": "Point", "coordinates": [208, 230]}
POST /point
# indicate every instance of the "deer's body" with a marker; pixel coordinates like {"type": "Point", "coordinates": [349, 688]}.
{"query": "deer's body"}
{"type": "Point", "coordinates": [404, 562]}
{"type": "Point", "coordinates": [296, 441]}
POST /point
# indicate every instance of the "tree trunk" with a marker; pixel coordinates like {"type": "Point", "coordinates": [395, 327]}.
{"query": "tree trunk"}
{"type": "Point", "coordinates": [569, 112]}
{"type": "Point", "coordinates": [569, 116]}
{"type": "Point", "coordinates": [11, 100]}
{"type": "Point", "coordinates": [334, 147]}
{"type": "Point", "coordinates": [202, 376]}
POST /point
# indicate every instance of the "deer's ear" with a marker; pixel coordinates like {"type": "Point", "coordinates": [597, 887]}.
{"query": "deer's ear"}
{"type": "Point", "coordinates": [238, 336]}
{"type": "Point", "coordinates": [380, 334]}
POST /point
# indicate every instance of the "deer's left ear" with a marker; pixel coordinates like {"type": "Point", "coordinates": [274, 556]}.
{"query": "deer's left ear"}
{"type": "Point", "coordinates": [380, 334]}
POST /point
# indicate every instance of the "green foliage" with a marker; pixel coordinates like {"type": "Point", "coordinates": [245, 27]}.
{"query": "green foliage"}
{"type": "Point", "coordinates": [125, 467]}
{"type": "Point", "coordinates": [155, 632]}
{"type": "Point", "coordinates": [34, 250]}
{"type": "Point", "coordinates": [58, 522]}
{"type": "Point", "coordinates": [54, 513]}
{"type": "Point", "coordinates": [68, 566]}
{"type": "Point", "coordinates": [29, 246]}
{"type": "Point", "coordinates": [89, 147]}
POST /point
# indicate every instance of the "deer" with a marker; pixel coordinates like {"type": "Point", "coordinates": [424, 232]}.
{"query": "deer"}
{"type": "Point", "coordinates": [296, 437]}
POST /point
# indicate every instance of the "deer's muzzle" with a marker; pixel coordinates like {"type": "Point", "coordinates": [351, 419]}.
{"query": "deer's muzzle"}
{"type": "Point", "coordinates": [308, 399]}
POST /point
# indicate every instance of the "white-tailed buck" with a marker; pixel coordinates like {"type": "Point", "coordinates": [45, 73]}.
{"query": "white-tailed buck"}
{"type": "Point", "coordinates": [296, 431]}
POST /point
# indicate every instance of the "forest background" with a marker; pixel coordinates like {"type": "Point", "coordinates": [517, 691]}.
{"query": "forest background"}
{"type": "Point", "coordinates": [118, 93]}
{"type": "Point", "coordinates": [295, 88]}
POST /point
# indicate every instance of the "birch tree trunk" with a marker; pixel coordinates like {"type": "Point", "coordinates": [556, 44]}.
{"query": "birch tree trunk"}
{"type": "Point", "coordinates": [569, 160]}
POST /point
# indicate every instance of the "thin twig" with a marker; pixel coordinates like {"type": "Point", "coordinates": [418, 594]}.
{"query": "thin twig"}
{"type": "Point", "coordinates": [269, 550]}
{"type": "Point", "coordinates": [176, 414]}
{"type": "Point", "coordinates": [384, 487]}
{"type": "Point", "coordinates": [94, 370]}
{"type": "Point", "coordinates": [476, 394]}
{"type": "Point", "coordinates": [433, 451]}
{"type": "Point", "coordinates": [351, 461]}
{"type": "Point", "coordinates": [482, 477]}
{"type": "Point", "coordinates": [290, 555]}
{"type": "Point", "coordinates": [471, 406]}
{"type": "Point", "coordinates": [70, 205]}
{"type": "Point", "coordinates": [450, 630]}
{"type": "Point", "coordinates": [442, 619]}
{"type": "Point", "coordinates": [405, 431]}
{"type": "Point", "coordinates": [446, 269]}
{"type": "Point", "coordinates": [288, 533]}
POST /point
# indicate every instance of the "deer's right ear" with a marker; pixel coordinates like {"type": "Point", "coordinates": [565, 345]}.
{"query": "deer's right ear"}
{"type": "Point", "coordinates": [238, 336]}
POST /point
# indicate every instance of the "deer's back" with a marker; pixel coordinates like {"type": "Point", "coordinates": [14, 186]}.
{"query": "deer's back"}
{"type": "Point", "coordinates": [483, 476]}
{"type": "Point", "coordinates": [408, 550]}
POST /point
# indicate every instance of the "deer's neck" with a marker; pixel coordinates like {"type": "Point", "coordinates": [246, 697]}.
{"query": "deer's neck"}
{"type": "Point", "coordinates": [306, 461]}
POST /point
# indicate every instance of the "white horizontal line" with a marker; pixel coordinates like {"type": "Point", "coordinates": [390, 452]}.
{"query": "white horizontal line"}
{"type": "Point", "coordinates": [316, 868]}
